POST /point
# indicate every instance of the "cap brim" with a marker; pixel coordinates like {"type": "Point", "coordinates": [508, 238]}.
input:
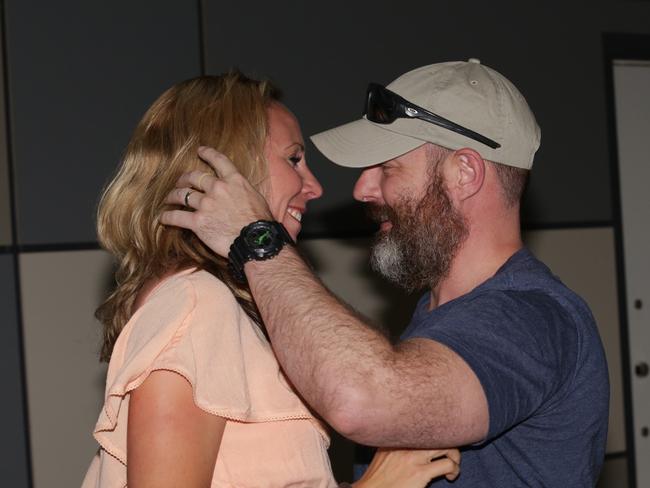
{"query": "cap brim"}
{"type": "Point", "coordinates": [361, 143]}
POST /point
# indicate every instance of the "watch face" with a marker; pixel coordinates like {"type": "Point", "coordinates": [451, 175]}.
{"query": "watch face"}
{"type": "Point", "coordinates": [261, 237]}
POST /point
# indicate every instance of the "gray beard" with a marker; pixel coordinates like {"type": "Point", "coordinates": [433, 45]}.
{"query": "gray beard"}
{"type": "Point", "coordinates": [417, 252]}
{"type": "Point", "coordinates": [387, 259]}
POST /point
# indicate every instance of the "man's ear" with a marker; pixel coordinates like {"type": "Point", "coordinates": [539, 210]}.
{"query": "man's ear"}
{"type": "Point", "coordinates": [469, 169]}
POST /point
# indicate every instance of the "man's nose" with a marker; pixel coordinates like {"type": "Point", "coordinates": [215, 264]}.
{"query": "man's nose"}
{"type": "Point", "coordinates": [367, 188]}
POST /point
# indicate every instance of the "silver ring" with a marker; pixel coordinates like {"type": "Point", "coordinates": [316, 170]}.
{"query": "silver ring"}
{"type": "Point", "coordinates": [187, 196]}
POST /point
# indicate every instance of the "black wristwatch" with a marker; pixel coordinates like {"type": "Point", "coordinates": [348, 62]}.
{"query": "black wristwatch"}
{"type": "Point", "coordinates": [260, 240]}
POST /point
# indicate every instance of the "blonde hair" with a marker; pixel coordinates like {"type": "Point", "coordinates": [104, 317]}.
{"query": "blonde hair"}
{"type": "Point", "coordinates": [227, 112]}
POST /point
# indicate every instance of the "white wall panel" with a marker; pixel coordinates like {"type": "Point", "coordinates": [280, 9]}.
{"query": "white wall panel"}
{"type": "Point", "coordinates": [632, 100]}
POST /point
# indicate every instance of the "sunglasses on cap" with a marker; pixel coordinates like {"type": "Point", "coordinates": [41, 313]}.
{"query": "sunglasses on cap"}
{"type": "Point", "coordinates": [384, 107]}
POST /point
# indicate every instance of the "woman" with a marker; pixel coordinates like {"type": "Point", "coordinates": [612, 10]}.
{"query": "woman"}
{"type": "Point", "coordinates": [194, 395]}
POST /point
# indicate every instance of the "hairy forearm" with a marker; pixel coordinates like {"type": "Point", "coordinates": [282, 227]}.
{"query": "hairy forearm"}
{"type": "Point", "coordinates": [416, 394]}
{"type": "Point", "coordinates": [330, 354]}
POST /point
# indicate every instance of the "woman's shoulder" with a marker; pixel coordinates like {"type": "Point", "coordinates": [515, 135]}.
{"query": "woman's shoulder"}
{"type": "Point", "coordinates": [182, 300]}
{"type": "Point", "coordinates": [191, 284]}
{"type": "Point", "coordinates": [204, 281]}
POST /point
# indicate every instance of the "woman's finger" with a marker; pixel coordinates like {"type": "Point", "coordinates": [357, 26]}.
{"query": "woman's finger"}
{"type": "Point", "coordinates": [449, 466]}
{"type": "Point", "coordinates": [454, 455]}
{"type": "Point", "coordinates": [444, 467]}
{"type": "Point", "coordinates": [219, 162]}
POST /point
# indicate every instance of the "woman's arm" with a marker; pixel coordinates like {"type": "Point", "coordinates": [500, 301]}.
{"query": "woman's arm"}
{"type": "Point", "coordinates": [170, 441]}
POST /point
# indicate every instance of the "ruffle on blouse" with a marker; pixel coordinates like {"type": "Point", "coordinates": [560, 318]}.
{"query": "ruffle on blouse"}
{"type": "Point", "coordinates": [192, 324]}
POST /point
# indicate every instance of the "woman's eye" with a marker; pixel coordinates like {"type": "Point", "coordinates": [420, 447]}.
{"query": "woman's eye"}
{"type": "Point", "coordinates": [294, 160]}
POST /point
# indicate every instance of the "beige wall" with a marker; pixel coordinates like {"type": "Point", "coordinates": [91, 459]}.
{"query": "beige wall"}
{"type": "Point", "coordinates": [60, 291]}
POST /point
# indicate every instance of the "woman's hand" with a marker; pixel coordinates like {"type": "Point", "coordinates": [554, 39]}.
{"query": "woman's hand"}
{"type": "Point", "coordinates": [415, 468]}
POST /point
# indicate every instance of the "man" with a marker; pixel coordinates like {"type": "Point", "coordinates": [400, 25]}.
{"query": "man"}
{"type": "Point", "coordinates": [499, 356]}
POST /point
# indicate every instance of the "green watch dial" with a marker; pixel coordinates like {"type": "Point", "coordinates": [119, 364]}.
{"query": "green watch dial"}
{"type": "Point", "coordinates": [263, 239]}
{"type": "Point", "coordinates": [260, 236]}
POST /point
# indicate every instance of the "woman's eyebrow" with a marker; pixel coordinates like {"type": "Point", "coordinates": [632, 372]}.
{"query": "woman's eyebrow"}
{"type": "Point", "coordinates": [302, 147]}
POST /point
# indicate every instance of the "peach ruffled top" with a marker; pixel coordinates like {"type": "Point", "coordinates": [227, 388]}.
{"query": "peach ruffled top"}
{"type": "Point", "coordinates": [192, 324]}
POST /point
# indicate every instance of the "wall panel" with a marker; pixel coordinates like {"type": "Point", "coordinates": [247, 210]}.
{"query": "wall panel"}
{"type": "Point", "coordinates": [65, 381]}
{"type": "Point", "coordinates": [81, 75]}
{"type": "Point", "coordinates": [614, 474]}
{"type": "Point", "coordinates": [14, 465]}
{"type": "Point", "coordinates": [5, 204]}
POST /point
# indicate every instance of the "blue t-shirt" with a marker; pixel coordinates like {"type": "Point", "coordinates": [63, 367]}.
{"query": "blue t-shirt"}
{"type": "Point", "coordinates": [535, 348]}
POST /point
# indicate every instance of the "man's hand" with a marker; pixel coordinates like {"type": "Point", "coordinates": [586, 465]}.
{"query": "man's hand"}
{"type": "Point", "coordinates": [223, 204]}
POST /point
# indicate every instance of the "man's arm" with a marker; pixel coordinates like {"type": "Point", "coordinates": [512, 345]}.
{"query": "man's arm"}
{"type": "Point", "coordinates": [417, 394]}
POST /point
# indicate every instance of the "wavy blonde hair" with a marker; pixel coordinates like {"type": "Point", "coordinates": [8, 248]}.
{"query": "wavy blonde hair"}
{"type": "Point", "coordinates": [227, 112]}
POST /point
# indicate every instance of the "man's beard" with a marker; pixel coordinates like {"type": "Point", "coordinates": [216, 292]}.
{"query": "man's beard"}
{"type": "Point", "coordinates": [417, 252]}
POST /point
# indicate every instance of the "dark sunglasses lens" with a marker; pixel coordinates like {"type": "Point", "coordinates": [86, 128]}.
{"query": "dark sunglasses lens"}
{"type": "Point", "coordinates": [379, 106]}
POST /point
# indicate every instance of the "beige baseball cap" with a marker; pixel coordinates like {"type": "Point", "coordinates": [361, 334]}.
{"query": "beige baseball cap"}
{"type": "Point", "coordinates": [467, 93]}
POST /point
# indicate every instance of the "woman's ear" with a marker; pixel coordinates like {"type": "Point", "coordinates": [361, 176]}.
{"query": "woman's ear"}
{"type": "Point", "coordinates": [469, 168]}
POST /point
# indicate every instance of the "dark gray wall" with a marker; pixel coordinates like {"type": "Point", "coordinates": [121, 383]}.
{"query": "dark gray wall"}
{"type": "Point", "coordinates": [324, 54]}
{"type": "Point", "coordinates": [5, 203]}
{"type": "Point", "coordinates": [81, 74]}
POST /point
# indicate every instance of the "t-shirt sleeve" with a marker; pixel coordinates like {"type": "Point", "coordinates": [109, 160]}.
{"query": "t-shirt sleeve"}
{"type": "Point", "coordinates": [522, 346]}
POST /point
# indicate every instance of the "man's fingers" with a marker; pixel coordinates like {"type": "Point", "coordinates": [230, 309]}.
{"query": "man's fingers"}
{"type": "Point", "coordinates": [196, 179]}
{"type": "Point", "coordinates": [186, 196]}
{"type": "Point", "coordinates": [178, 218]}
{"type": "Point", "coordinates": [219, 162]}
